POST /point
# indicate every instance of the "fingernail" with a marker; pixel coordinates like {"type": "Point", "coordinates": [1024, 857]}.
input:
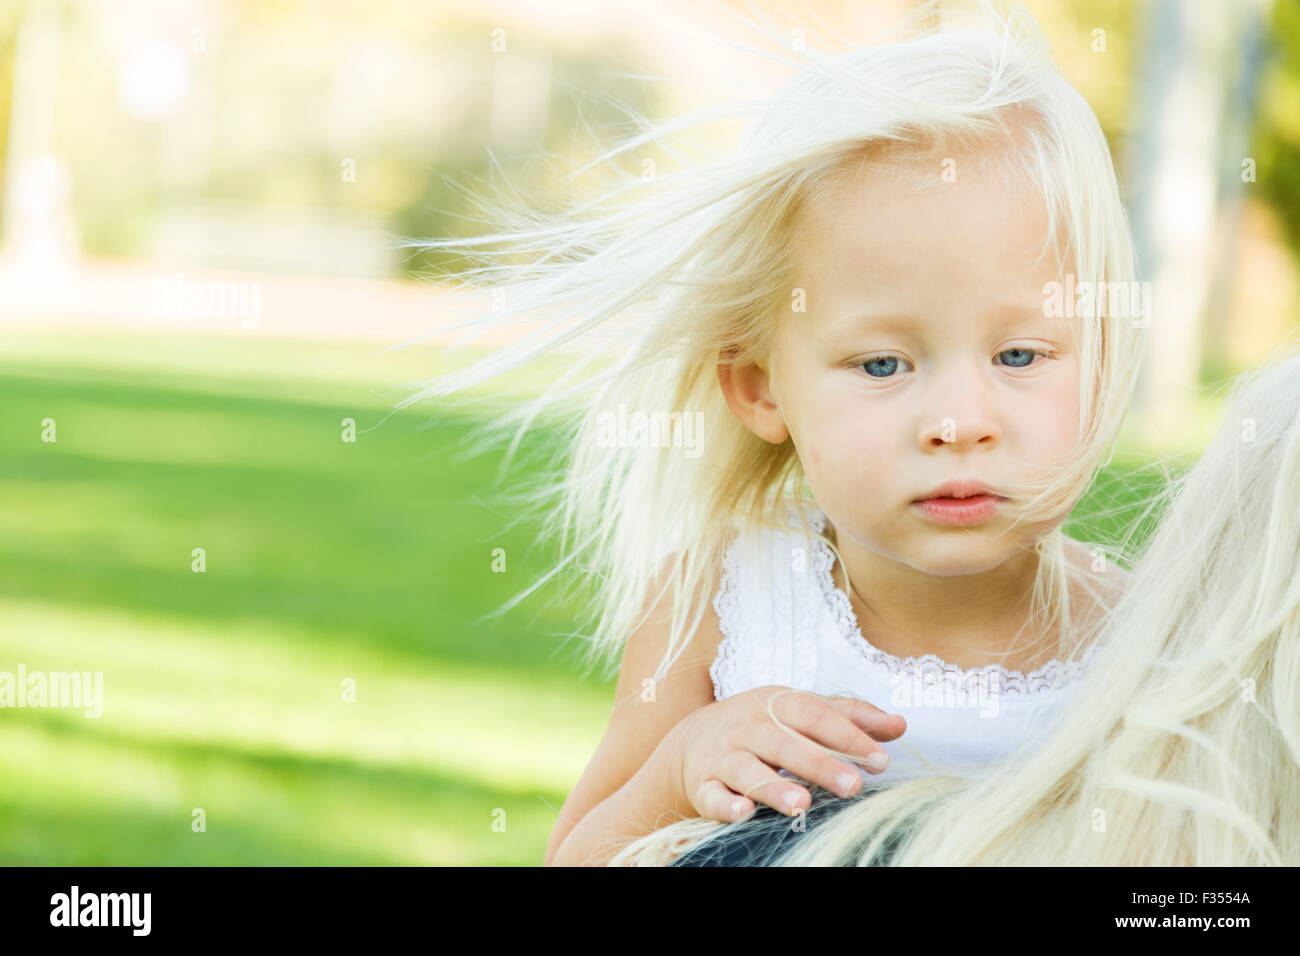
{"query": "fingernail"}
{"type": "Point", "coordinates": [737, 809]}
{"type": "Point", "coordinates": [845, 782]}
{"type": "Point", "coordinates": [877, 761]}
{"type": "Point", "coordinates": [790, 799]}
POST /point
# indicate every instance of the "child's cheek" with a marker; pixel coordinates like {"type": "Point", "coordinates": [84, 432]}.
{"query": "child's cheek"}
{"type": "Point", "coordinates": [845, 452]}
{"type": "Point", "coordinates": [1059, 423]}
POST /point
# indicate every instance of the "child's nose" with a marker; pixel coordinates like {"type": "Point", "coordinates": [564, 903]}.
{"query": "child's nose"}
{"type": "Point", "coordinates": [972, 427]}
{"type": "Point", "coordinates": [960, 409]}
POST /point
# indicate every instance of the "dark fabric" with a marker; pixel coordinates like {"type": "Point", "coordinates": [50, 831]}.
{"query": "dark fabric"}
{"type": "Point", "coordinates": [769, 833]}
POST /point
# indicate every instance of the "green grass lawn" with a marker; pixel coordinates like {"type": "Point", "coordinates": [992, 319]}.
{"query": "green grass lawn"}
{"type": "Point", "coordinates": [326, 562]}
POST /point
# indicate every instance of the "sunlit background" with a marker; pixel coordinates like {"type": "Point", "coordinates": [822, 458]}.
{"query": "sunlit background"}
{"type": "Point", "coordinates": [202, 280]}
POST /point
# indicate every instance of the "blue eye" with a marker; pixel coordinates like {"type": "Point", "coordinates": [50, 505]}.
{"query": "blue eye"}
{"type": "Point", "coordinates": [881, 367]}
{"type": "Point", "coordinates": [1021, 358]}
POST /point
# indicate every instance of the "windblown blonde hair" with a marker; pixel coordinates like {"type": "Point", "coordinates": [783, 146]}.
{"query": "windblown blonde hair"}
{"type": "Point", "coordinates": [1184, 744]}
{"type": "Point", "coordinates": [696, 266]}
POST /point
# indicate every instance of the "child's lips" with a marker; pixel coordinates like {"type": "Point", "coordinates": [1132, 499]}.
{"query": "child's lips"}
{"type": "Point", "coordinates": [959, 511]}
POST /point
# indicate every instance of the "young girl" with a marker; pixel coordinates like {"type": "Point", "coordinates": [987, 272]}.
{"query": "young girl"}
{"type": "Point", "coordinates": [1188, 752]}
{"type": "Point", "coordinates": [860, 310]}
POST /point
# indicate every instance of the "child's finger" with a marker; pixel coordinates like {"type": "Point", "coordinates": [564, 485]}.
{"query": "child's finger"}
{"type": "Point", "coordinates": [830, 723]}
{"type": "Point", "coordinates": [823, 727]}
{"type": "Point", "coordinates": [874, 721]}
{"type": "Point", "coordinates": [716, 801]}
{"type": "Point", "coordinates": [750, 777]}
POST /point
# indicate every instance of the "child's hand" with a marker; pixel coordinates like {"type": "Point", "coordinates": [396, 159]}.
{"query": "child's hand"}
{"type": "Point", "coordinates": [724, 750]}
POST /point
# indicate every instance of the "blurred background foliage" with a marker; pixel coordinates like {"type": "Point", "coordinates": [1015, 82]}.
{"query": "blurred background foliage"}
{"type": "Point", "coordinates": [1277, 134]}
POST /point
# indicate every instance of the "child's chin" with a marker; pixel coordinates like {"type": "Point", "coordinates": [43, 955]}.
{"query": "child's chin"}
{"type": "Point", "coordinates": [962, 558]}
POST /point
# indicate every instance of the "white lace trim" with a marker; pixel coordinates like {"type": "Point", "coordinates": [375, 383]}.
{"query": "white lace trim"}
{"type": "Point", "coordinates": [728, 606]}
{"type": "Point", "coordinates": [930, 668]}
{"type": "Point", "coordinates": [751, 612]}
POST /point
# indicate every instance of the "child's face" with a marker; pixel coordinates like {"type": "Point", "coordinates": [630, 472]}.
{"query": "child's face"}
{"type": "Point", "coordinates": [915, 364]}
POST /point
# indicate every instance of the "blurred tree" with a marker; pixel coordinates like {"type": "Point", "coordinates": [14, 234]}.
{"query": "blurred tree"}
{"type": "Point", "coordinates": [1188, 68]}
{"type": "Point", "coordinates": [10, 16]}
{"type": "Point", "coordinates": [1238, 168]}
{"type": "Point", "coordinates": [581, 97]}
{"type": "Point", "coordinates": [1276, 143]}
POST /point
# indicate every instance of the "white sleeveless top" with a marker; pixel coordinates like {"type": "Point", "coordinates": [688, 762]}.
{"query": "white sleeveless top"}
{"type": "Point", "coordinates": [785, 622]}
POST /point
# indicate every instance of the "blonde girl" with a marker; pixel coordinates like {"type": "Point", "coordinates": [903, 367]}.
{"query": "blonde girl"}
{"type": "Point", "coordinates": [1188, 751]}
{"type": "Point", "coordinates": [862, 310]}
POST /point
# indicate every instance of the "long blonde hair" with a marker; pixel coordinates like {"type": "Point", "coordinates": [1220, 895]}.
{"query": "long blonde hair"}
{"type": "Point", "coordinates": [661, 277]}
{"type": "Point", "coordinates": [1183, 747]}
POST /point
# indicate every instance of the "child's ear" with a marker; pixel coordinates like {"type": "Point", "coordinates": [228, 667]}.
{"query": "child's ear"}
{"type": "Point", "coordinates": [748, 392]}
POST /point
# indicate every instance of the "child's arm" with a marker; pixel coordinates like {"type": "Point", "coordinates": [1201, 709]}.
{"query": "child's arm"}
{"type": "Point", "coordinates": [637, 727]}
{"type": "Point", "coordinates": [733, 745]}
{"type": "Point", "coordinates": [648, 801]}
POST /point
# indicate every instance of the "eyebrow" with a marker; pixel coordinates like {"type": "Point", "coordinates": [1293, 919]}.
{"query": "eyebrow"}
{"type": "Point", "coordinates": [905, 322]}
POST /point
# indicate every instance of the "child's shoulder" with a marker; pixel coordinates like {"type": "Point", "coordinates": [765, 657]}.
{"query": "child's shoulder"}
{"type": "Point", "coordinates": [791, 542]}
{"type": "Point", "coordinates": [790, 521]}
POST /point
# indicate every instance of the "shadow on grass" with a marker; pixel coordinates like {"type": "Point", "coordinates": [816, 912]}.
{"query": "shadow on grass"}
{"type": "Point", "coordinates": [381, 537]}
{"type": "Point", "coordinates": [305, 790]}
